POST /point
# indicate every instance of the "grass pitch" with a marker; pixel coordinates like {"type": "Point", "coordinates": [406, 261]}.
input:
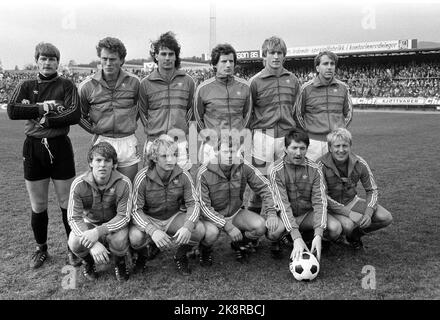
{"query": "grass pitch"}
{"type": "Point", "coordinates": [403, 152]}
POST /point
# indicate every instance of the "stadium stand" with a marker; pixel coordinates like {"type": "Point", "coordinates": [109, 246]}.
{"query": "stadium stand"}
{"type": "Point", "coordinates": [414, 74]}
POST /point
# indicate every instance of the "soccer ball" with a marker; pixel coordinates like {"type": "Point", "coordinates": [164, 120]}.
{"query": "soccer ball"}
{"type": "Point", "coordinates": [306, 268]}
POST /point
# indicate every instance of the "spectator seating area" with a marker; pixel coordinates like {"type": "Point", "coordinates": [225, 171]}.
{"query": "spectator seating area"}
{"type": "Point", "coordinates": [399, 79]}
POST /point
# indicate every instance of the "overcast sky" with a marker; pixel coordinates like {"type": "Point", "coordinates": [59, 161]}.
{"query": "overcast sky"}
{"type": "Point", "coordinates": [76, 28]}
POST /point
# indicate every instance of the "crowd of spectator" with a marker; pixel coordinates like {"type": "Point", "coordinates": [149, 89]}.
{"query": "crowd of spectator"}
{"type": "Point", "coordinates": [379, 80]}
{"type": "Point", "coordinates": [390, 80]}
{"type": "Point", "coordinates": [370, 80]}
{"type": "Point", "coordinates": [394, 80]}
{"type": "Point", "coordinates": [8, 82]}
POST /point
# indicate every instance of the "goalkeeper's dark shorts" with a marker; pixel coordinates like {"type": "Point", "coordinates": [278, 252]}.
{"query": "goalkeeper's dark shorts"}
{"type": "Point", "coordinates": [48, 158]}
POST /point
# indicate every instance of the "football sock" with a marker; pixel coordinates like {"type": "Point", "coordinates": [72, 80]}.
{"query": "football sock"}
{"type": "Point", "coordinates": [118, 259]}
{"type": "Point", "coordinates": [357, 233]}
{"type": "Point", "coordinates": [39, 222]}
{"type": "Point", "coordinates": [274, 245]}
{"type": "Point", "coordinates": [182, 250]}
{"type": "Point", "coordinates": [142, 251]}
{"type": "Point", "coordinates": [204, 247]}
{"type": "Point", "coordinates": [65, 222]}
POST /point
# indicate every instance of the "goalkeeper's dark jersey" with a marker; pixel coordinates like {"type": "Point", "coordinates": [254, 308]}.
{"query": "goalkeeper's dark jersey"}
{"type": "Point", "coordinates": [38, 90]}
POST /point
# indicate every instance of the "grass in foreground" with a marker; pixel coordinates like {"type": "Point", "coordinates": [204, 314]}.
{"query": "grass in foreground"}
{"type": "Point", "coordinates": [401, 149]}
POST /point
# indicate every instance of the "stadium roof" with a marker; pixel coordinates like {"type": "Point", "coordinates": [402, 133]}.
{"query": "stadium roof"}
{"type": "Point", "coordinates": [402, 47]}
{"type": "Point", "coordinates": [401, 52]}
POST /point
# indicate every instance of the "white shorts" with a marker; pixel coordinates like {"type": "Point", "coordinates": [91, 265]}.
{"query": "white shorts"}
{"type": "Point", "coordinates": [316, 149]}
{"type": "Point", "coordinates": [126, 149]}
{"type": "Point", "coordinates": [164, 225]}
{"type": "Point", "coordinates": [230, 218]}
{"type": "Point", "coordinates": [183, 161]}
{"type": "Point", "coordinates": [267, 148]}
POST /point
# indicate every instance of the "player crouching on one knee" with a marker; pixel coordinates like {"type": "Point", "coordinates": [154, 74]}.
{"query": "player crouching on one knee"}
{"type": "Point", "coordinates": [343, 170]}
{"type": "Point", "coordinates": [165, 207]}
{"type": "Point", "coordinates": [300, 192]}
{"type": "Point", "coordinates": [221, 184]}
{"type": "Point", "coordinates": [99, 213]}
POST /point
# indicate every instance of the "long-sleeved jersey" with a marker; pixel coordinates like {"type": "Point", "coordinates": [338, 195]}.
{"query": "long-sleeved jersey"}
{"type": "Point", "coordinates": [38, 90]}
{"type": "Point", "coordinates": [111, 112]}
{"type": "Point", "coordinates": [273, 100]}
{"type": "Point", "coordinates": [223, 103]}
{"type": "Point", "coordinates": [222, 197]}
{"type": "Point", "coordinates": [153, 198]}
{"type": "Point", "coordinates": [108, 208]}
{"type": "Point", "coordinates": [298, 190]}
{"type": "Point", "coordinates": [166, 105]}
{"type": "Point", "coordinates": [322, 108]}
{"type": "Point", "coordinates": [342, 190]}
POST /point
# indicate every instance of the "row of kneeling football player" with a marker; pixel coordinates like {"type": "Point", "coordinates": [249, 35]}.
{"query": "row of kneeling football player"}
{"type": "Point", "coordinates": [165, 209]}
